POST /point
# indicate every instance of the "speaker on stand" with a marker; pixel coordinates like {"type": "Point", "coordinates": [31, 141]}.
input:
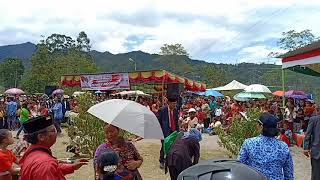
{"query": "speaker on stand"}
{"type": "Point", "coordinates": [48, 90]}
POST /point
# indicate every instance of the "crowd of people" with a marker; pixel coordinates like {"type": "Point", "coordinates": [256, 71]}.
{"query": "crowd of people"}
{"type": "Point", "coordinates": [40, 118]}
{"type": "Point", "coordinates": [15, 111]}
{"type": "Point", "coordinates": [269, 153]}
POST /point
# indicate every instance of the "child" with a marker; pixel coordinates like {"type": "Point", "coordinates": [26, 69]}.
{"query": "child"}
{"type": "Point", "coordinates": [284, 138]}
{"type": "Point", "coordinates": [107, 164]}
{"type": "Point", "coordinates": [288, 132]}
{"type": "Point", "coordinates": [7, 158]}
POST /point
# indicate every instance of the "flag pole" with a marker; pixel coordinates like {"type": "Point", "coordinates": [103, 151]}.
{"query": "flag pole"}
{"type": "Point", "coordinates": [283, 89]}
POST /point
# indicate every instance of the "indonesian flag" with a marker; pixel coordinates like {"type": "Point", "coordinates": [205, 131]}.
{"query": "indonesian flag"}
{"type": "Point", "coordinates": [308, 59]}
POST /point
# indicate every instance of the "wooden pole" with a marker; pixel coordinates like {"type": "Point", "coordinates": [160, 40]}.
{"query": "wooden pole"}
{"type": "Point", "coordinates": [283, 89]}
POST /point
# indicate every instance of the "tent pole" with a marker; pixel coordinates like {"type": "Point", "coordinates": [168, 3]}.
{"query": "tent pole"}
{"type": "Point", "coordinates": [164, 73]}
{"type": "Point", "coordinates": [283, 88]}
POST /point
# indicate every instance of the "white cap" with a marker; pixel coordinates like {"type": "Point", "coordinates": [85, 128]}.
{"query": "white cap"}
{"type": "Point", "coordinates": [191, 110]}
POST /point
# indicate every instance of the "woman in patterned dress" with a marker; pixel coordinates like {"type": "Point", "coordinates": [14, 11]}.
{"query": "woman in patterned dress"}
{"type": "Point", "coordinates": [129, 157]}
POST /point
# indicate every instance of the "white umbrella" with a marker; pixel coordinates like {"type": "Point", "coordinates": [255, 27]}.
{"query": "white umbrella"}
{"type": "Point", "coordinates": [130, 116]}
{"type": "Point", "coordinates": [257, 88]}
{"type": "Point", "coordinates": [133, 93]}
{"type": "Point", "coordinates": [78, 93]}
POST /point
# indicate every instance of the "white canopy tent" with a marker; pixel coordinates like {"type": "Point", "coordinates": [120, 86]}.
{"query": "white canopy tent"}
{"type": "Point", "coordinates": [233, 85]}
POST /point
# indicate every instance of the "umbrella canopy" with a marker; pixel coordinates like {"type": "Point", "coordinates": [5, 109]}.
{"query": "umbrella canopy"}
{"type": "Point", "coordinates": [14, 91]}
{"type": "Point", "coordinates": [278, 93]}
{"type": "Point", "coordinates": [248, 95]}
{"type": "Point", "coordinates": [98, 92]}
{"type": "Point", "coordinates": [296, 94]}
{"type": "Point", "coordinates": [257, 88]}
{"type": "Point", "coordinates": [200, 93]}
{"type": "Point", "coordinates": [133, 93]}
{"type": "Point", "coordinates": [58, 91]}
{"type": "Point", "coordinates": [130, 116]}
{"type": "Point", "coordinates": [78, 93]}
{"type": "Point", "coordinates": [233, 85]}
{"type": "Point", "coordinates": [211, 92]}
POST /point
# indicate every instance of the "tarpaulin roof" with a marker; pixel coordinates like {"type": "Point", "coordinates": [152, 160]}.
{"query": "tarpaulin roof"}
{"type": "Point", "coordinates": [304, 60]}
{"type": "Point", "coordinates": [139, 77]}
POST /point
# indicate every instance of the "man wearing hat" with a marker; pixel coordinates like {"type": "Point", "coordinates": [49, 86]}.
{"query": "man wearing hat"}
{"type": "Point", "coordinates": [266, 153]}
{"type": "Point", "coordinates": [192, 120]}
{"type": "Point", "coordinates": [38, 162]}
{"type": "Point", "coordinates": [168, 119]}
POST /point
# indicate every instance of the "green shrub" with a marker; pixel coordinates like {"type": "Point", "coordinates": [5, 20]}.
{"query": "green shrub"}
{"type": "Point", "coordinates": [87, 131]}
{"type": "Point", "coordinates": [240, 129]}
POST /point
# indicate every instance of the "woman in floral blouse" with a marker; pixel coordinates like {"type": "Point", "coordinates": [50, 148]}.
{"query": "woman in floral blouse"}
{"type": "Point", "coordinates": [130, 159]}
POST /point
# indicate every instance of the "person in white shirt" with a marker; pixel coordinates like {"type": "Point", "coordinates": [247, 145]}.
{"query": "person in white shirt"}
{"type": "Point", "coordinates": [192, 120]}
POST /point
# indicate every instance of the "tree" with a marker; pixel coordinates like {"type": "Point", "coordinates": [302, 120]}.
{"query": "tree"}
{"type": "Point", "coordinates": [11, 71]}
{"type": "Point", "coordinates": [41, 72]}
{"type": "Point", "coordinates": [74, 62]}
{"type": "Point", "coordinates": [292, 39]}
{"type": "Point", "coordinates": [214, 76]}
{"type": "Point", "coordinates": [56, 56]}
{"type": "Point", "coordinates": [83, 42]}
{"type": "Point", "coordinates": [59, 43]}
{"type": "Point", "coordinates": [173, 49]}
{"type": "Point", "coordinates": [47, 68]}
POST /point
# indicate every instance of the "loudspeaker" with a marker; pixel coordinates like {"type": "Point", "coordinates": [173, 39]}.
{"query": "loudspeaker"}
{"type": "Point", "coordinates": [174, 89]}
{"type": "Point", "coordinates": [48, 90]}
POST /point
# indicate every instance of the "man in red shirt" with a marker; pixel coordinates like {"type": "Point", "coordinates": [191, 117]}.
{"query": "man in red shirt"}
{"type": "Point", "coordinates": [38, 162]}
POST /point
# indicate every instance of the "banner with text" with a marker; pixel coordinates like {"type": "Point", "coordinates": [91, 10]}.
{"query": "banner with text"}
{"type": "Point", "coordinates": [110, 81]}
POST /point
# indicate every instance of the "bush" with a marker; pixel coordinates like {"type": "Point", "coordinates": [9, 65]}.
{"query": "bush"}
{"type": "Point", "coordinates": [240, 129]}
{"type": "Point", "coordinates": [86, 132]}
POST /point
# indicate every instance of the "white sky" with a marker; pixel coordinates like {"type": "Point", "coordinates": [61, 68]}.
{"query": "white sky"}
{"type": "Point", "coordinates": [211, 30]}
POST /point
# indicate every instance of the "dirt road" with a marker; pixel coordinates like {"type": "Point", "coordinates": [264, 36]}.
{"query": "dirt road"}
{"type": "Point", "coordinates": [149, 149]}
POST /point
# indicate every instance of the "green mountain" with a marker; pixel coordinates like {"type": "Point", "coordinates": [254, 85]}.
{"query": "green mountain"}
{"type": "Point", "coordinates": [211, 73]}
{"type": "Point", "coordinates": [21, 51]}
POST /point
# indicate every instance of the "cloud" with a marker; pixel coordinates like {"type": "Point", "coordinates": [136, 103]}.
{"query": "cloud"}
{"type": "Point", "coordinates": [259, 54]}
{"type": "Point", "coordinates": [220, 31]}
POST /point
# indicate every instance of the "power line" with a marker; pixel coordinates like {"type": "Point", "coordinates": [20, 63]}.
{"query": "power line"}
{"type": "Point", "coordinates": [261, 22]}
{"type": "Point", "coordinates": [252, 27]}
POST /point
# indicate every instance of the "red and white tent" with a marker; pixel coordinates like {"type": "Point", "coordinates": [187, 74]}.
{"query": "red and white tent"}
{"type": "Point", "coordinates": [304, 60]}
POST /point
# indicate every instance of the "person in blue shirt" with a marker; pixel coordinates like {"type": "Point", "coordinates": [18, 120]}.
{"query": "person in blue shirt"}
{"type": "Point", "coordinates": [266, 153]}
{"type": "Point", "coordinates": [57, 114]}
{"type": "Point", "coordinates": [11, 110]}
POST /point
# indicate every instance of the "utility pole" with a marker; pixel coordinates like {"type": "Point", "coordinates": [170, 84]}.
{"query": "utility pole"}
{"type": "Point", "coordinates": [15, 78]}
{"type": "Point", "coordinates": [135, 63]}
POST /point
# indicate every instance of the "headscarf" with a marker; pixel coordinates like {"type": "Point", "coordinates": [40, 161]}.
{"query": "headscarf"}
{"type": "Point", "coordinates": [192, 133]}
